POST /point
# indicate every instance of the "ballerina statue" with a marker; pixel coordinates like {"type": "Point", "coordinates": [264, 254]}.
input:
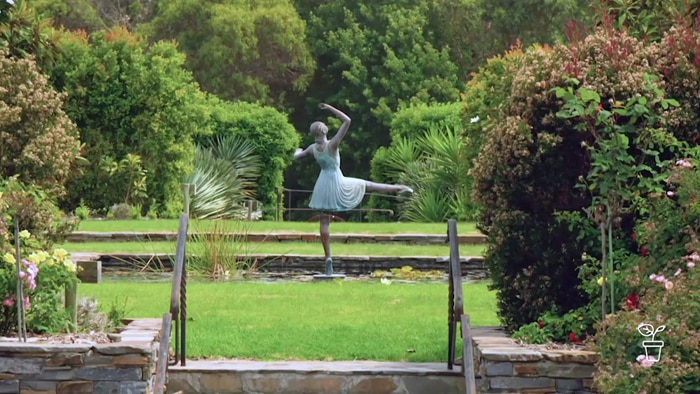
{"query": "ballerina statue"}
{"type": "Point", "coordinates": [334, 192]}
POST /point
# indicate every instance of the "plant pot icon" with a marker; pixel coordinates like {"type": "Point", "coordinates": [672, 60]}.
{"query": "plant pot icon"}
{"type": "Point", "coordinates": [653, 349]}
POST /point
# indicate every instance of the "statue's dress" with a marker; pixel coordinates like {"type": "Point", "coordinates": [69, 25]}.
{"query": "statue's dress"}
{"type": "Point", "coordinates": [333, 191]}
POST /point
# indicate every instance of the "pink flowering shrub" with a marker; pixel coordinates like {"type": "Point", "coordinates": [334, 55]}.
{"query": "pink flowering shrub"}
{"type": "Point", "coordinates": [665, 285]}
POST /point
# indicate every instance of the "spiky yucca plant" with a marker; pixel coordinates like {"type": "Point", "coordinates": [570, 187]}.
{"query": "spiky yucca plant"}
{"type": "Point", "coordinates": [226, 170]}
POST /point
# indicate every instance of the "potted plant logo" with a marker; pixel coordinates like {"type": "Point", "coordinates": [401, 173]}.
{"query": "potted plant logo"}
{"type": "Point", "coordinates": [652, 349]}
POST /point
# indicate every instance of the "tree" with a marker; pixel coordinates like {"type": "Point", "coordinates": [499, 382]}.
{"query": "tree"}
{"type": "Point", "coordinates": [25, 33]}
{"type": "Point", "coordinates": [127, 99]}
{"type": "Point", "coordinates": [506, 22]}
{"type": "Point", "coordinates": [94, 15]}
{"type": "Point", "coordinates": [240, 50]}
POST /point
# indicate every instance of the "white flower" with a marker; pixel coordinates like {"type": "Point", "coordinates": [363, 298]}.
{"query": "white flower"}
{"type": "Point", "coordinates": [24, 234]}
{"type": "Point", "coordinates": [475, 119]}
{"type": "Point", "coordinates": [684, 163]}
{"type": "Point", "coordinates": [385, 281]}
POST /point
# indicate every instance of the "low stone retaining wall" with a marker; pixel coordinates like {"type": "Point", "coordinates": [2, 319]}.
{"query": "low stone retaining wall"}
{"type": "Point", "coordinates": [409, 239]}
{"type": "Point", "coordinates": [473, 267]}
{"type": "Point", "coordinates": [127, 366]}
{"type": "Point", "coordinates": [503, 366]}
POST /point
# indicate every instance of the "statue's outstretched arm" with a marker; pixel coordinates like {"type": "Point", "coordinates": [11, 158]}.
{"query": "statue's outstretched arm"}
{"type": "Point", "coordinates": [299, 154]}
{"type": "Point", "coordinates": [338, 137]}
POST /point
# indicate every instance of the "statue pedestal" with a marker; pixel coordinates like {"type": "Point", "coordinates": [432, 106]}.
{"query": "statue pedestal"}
{"type": "Point", "coordinates": [322, 277]}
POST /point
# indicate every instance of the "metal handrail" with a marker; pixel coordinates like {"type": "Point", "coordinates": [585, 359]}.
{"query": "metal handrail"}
{"type": "Point", "coordinates": [456, 313]}
{"type": "Point", "coordinates": [178, 296]}
{"type": "Point", "coordinates": [162, 363]}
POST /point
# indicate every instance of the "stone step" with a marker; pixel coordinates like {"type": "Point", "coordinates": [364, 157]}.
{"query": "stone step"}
{"type": "Point", "coordinates": [408, 239]}
{"type": "Point", "coordinates": [240, 376]}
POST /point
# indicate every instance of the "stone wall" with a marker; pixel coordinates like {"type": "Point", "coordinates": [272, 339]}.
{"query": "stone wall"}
{"type": "Point", "coordinates": [407, 239]}
{"type": "Point", "coordinates": [124, 366]}
{"type": "Point", "coordinates": [503, 366]}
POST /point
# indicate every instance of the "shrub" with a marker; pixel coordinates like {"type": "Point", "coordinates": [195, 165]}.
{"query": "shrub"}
{"type": "Point", "coordinates": [274, 138]}
{"type": "Point", "coordinates": [35, 212]}
{"type": "Point", "coordinates": [38, 142]}
{"type": "Point", "coordinates": [663, 292]}
{"type": "Point", "coordinates": [42, 275]}
{"type": "Point", "coordinates": [531, 163]}
{"type": "Point", "coordinates": [120, 211]}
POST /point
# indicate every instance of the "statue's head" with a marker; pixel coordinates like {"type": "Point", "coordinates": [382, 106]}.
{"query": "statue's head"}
{"type": "Point", "coordinates": [318, 129]}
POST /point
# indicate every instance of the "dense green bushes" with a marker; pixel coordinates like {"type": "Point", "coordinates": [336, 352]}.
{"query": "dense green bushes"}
{"type": "Point", "coordinates": [127, 98]}
{"type": "Point", "coordinates": [274, 138]}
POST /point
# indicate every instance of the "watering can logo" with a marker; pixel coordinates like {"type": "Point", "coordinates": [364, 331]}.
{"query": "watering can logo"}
{"type": "Point", "coordinates": [652, 348]}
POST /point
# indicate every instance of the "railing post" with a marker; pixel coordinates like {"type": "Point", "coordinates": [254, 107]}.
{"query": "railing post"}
{"type": "Point", "coordinates": [178, 296]}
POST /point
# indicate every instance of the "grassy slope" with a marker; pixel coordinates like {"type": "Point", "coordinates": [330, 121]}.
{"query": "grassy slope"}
{"type": "Point", "coordinates": [349, 320]}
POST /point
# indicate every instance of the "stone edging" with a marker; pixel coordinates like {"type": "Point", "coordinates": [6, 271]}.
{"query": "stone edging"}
{"type": "Point", "coordinates": [127, 365]}
{"type": "Point", "coordinates": [504, 365]}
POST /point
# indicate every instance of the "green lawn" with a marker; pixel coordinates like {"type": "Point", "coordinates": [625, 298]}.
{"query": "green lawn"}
{"type": "Point", "coordinates": [305, 248]}
{"type": "Point", "coordinates": [271, 227]}
{"type": "Point", "coordinates": [350, 320]}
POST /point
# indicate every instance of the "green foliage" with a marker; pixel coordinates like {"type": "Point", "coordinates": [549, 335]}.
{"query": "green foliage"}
{"type": "Point", "coordinates": [376, 57]}
{"type": "Point", "coordinates": [133, 174]}
{"type": "Point", "coordinates": [409, 124]}
{"type": "Point", "coordinates": [646, 19]}
{"type": "Point", "coordinates": [533, 333]}
{"type": "Point", "coordinates": [274, 138]}
{"type": "Point", "coordinates": [93, 15]}
{"type": "Point", "coordinates": [35, 211]}
{"type": "Point", "coordinates": [666, 282]}
{"type": "Point", "coordinates": [82, 212]}
{"type": "Point", "coordinates": [127, 99]}
{"type": "Point", "coordinates": [511, 22]}
{"type": "Point", "coordinates": [118, 309]}
{"type": "Point", "coordinates": [24, 33]}
{"type": "Point", "coordinates": [225, 173]}
{"type": "Point", "coordinates": [530, 164]}
{"type": "Point", "coordinates": [239, 50]}
{"type": "Point", "coordinates": [38, 142]}
{"type": "Point", "coordinates": [408, 273]}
